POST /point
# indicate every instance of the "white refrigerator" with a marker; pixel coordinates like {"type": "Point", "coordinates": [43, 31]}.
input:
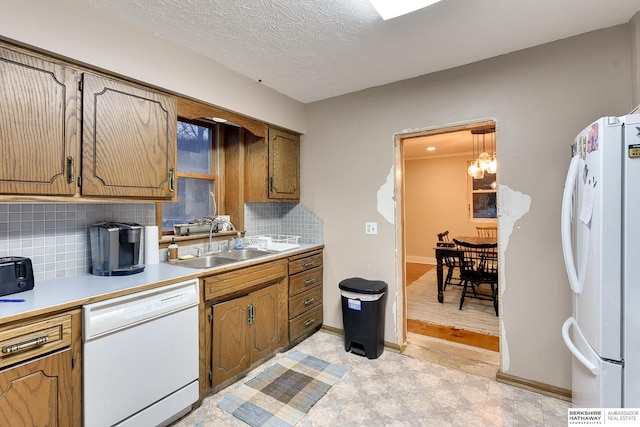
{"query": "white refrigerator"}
{"type": "Point", "coordinates": [601, 247]}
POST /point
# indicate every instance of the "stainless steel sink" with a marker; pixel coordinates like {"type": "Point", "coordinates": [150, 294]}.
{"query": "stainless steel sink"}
{"type": "Point", "coordinates": [223, 258]}
{"type": "Point", "coordinates": [208, 261]}
{"type": "Point", "coordinates": [243, 254]}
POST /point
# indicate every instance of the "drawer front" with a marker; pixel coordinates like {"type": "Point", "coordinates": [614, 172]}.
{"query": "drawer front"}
{"type": "Point", "coordinates": [303, 281]}
{"type": "Point", "coordinates": [305, 301]}
{"type": "Point", "coordinates": [305, 323]}
{"type": "Point", "coordinates": [301, 264]}
{"type": "Point", "coordinates": [245, 279]}
{"type": "Point", "coordinates": [32, 339]}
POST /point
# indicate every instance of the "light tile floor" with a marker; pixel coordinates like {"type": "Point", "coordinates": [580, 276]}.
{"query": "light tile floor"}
{"type": "Point", "coordinates": [399, 390]}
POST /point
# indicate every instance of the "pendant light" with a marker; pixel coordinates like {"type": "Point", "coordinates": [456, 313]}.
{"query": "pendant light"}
{"type": "Point", "coordinates": [486, 160]}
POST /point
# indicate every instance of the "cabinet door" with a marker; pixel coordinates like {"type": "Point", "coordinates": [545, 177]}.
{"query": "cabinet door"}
{"type": "Point", "coordinates": [266, 324]}
{"type": "Point", "coordinates": [129, 140]}
{"type": "Point", "coordinates": [37, 393]}
{"type": "Point", "coordinates": [284, 165]}
{"type": "Point", "coordinates": [39, 125]}
{"type": "Point", "coordinates": [230, 355]}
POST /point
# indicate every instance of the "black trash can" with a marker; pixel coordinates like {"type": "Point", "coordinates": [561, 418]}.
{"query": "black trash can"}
{"type": "Point", "coordinates": [363, 316]}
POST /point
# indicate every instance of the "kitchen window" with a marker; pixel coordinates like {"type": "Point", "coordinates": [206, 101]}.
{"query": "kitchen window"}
{"type": "Point", "coordinates": [196, 175]}
{"type": "Point", "coordinates": [482, 197]}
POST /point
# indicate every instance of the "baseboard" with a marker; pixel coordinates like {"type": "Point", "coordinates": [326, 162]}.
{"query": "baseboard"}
{"type": "Point", "coordinates": [538, 387]}
{"type": "Point", "coordinates": [340, 332]}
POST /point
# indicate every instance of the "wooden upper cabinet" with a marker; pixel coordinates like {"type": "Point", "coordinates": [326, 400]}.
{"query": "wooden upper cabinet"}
{"type": "Point", "coordinates": [129, 140]}
{"type": "Point", "coordinates": [272, 167]}
{"type": "Point", "coordinates": [284, 165]}
{"type": "Point", "coordinates": [39, 125]}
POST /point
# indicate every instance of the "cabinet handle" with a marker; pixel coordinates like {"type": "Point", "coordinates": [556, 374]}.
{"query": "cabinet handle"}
{"type": "Point", "coordinates": [71, 176]}
{"type": "Point", "coordinates": [308, 301]}
{"type": "Point", "coordinates": [308, 264]}
{"type": "Point", "coordinates": [309, 322]}
{"type": "Point", "coordinates": [25, 345]}
{"type": "Point", "coordinates": [172, 180]}
{"type": "Point", "coordinates": [250, 314]}
{"type": "Point", "coordinates": [270, 183]}
{"type": "Point", "coordinates": [309, 281]}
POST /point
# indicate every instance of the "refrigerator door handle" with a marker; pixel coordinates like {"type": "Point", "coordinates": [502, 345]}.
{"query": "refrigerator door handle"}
{"type": "Point", "coordinates": [565, 226]}
{"type": "Point", "coordinates": [573, 349]}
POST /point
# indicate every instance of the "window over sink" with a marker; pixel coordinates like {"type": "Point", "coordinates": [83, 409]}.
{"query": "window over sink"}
{"type": "Point", "coordinates": [198, 143]}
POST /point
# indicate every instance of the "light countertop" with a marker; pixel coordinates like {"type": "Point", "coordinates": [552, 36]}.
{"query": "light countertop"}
{"type": "Point", "coordinates": [75, 291]}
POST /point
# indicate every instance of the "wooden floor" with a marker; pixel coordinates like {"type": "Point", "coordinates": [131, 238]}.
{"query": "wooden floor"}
{"type": "Point", "coordinates": [413, 272]}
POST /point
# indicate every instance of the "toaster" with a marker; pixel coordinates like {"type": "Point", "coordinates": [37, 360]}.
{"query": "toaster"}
{"type": "Point", "coordinates": [16, 275]}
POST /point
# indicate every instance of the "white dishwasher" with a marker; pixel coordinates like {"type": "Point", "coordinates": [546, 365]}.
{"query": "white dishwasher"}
{"type": "Point", "coordinates": [140, 357]}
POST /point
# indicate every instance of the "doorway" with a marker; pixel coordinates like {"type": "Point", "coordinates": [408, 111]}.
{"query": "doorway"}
{"type": "Point", "coordinates": [435, 193]}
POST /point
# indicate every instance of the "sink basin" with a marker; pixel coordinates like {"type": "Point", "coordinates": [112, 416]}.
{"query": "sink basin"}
{"type": "Point", "coordinates": [223, 258]}
{"type": "Point", "coordinates": [208, 261]}
{"type": "Point", "coordinates": [243, 254]}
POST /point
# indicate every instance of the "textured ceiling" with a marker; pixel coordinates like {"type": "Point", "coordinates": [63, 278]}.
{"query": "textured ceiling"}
{"type": "Point", "coordinates": [316, 49]}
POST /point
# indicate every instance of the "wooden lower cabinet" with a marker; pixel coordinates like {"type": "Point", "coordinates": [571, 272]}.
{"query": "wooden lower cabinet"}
{"type": "Point", "coordinates": [40, 373]}
{"type": "Point", "coordinates": [250, 321]}
{"type": "Point", "coordinates": [305, 294]}
{"type": "Point", "coordinates": [244, 330]}
{"type": "Point", "coordinates": [38, 393]}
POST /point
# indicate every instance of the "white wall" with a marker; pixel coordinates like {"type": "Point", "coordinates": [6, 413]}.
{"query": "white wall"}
{"type": "Point", "coordinates": [74, 29]}
{"type": "Point", "coordinates": [540, 98]}
{"type": "Point", "coordinates": [435, 200]}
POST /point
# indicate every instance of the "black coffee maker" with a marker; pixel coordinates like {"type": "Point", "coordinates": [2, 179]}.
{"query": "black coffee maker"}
{"type": "Point", "coordinates": [115, 248]}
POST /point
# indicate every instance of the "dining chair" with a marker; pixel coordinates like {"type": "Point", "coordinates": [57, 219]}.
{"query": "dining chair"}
{"type": "Point", "coordinates": [478, 267]}
{"type": "Point", "coordinates": [487, 231]}
{"type": "Point", "coordinates": [450, 261]}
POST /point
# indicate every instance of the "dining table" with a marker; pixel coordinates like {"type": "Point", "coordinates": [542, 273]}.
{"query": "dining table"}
{"type": "Point", "coordinates": [443, 249]}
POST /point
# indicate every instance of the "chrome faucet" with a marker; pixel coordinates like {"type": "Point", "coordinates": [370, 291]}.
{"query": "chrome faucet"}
{"type": "Point", "coordinates": [209, 247]}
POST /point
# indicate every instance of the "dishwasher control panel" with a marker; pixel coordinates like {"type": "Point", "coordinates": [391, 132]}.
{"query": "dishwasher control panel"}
{"type": "Point", "coordinates": [116, 313]}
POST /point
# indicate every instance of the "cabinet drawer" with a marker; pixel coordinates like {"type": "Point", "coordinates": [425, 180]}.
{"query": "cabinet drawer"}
{"type": "Point", "coordinates": [305, 323]}
{"type": "Point", "coordinates": [303, 281]}
{"type": "Point", "coordinates": [32, 339]}
{"type": "Point", "coordinates": [296, 265]}
{"type": "Point", "coordinates": [305, 301]}
{"type": "Point", "coordinates": [242, 281]}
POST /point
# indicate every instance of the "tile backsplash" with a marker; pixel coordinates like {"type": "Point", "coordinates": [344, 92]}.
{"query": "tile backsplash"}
{"type": "Point", "coordinates": [56, 235]}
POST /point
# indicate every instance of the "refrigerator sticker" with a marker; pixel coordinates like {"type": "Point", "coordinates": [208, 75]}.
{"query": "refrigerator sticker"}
{"type": "Point", "coordinates": [634, 151]}
{"type": "Point", "coordinates": [587, 204]}
{"type": "Point", "coordinates": [592, 142]}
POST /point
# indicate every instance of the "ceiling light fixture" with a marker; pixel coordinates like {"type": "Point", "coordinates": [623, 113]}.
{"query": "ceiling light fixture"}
{"type": "Point", "coordinates": [486, 160]}
{"type": "Point", "coordinates": [389, 9]}
{"type": "Point", "coordinates": [431, 148]}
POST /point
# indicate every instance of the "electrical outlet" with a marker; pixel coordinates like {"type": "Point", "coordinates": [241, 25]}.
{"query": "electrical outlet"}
{"type": "Point", "coordinates": [371, 228]}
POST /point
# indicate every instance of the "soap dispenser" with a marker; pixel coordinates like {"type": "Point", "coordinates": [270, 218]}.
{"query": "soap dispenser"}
{"type": "Point", "coordinates": [239, 241]}
{"type": "Point", "coordinates": [173, 250]}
